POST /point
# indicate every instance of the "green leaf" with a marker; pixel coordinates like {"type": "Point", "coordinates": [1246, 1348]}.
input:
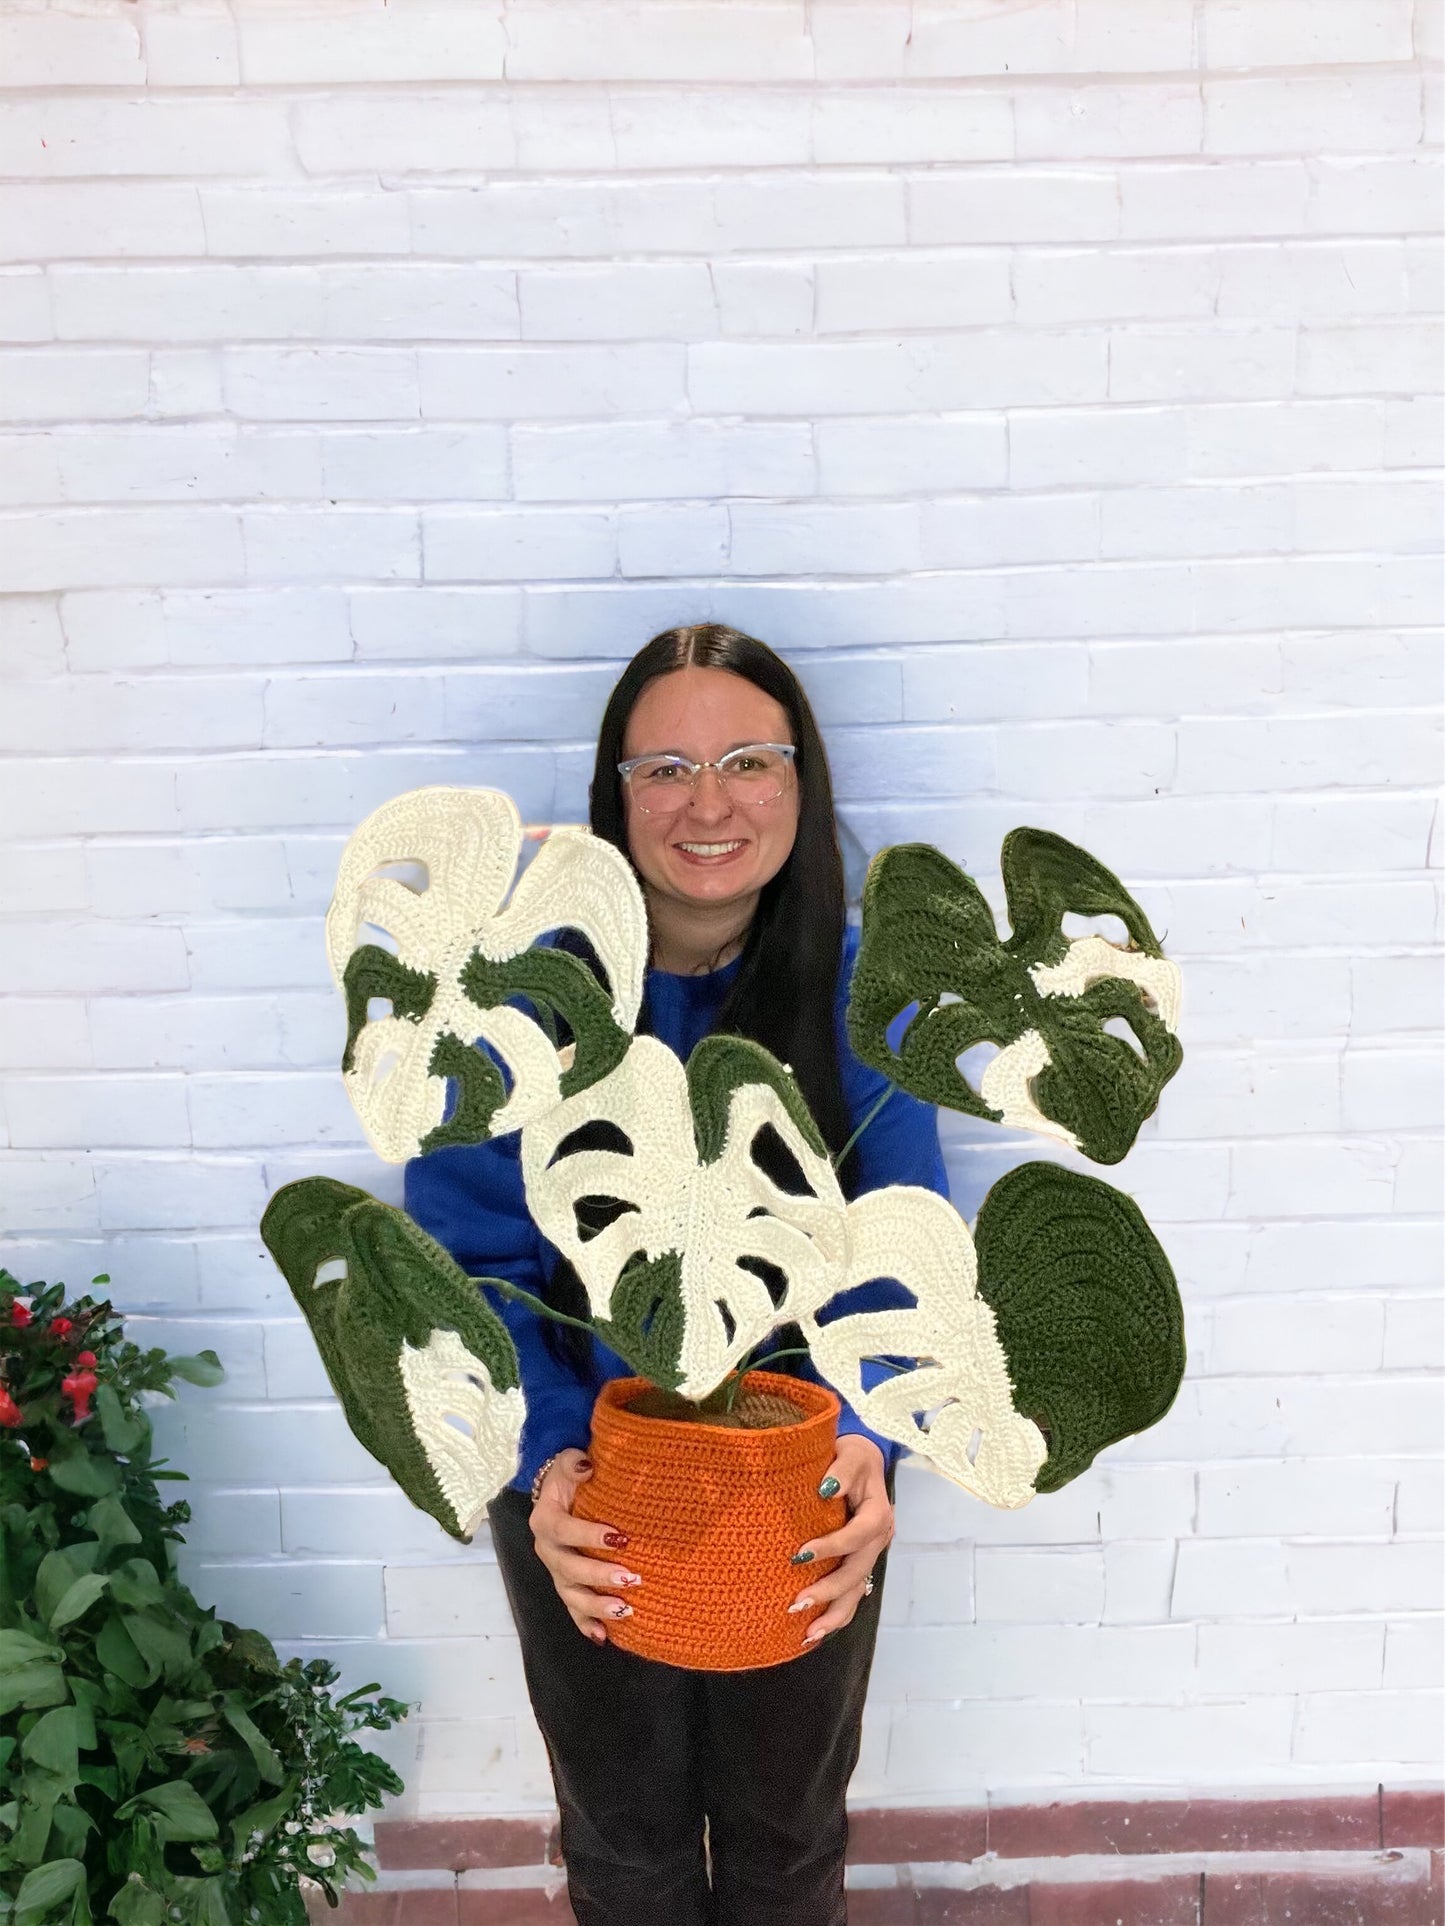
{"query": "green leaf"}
{"type": "Point", "coordinates": [32, 1686]}
{"type": "Point", "coordinates": [182, 1814]}
{"type": "Point", "coordinates": [137, 1904]}
{"type": "Point", "coordinates": [208, 1903]}
{"type": "Point", "coordinates": [84, 1475]}
{"type": "Point", "coordinates": [105, 1779]}
{"type": "Point", "coordinates": [204, 1368]}
{"type": "Point", "coordinates": [117, 1652]}
{"type": "Point", "coordinates": [19, 1648]}
{"type": "Point", "coordinates": [47, 1888]}
{"type": "Point", "coordinates": [54, 1742]}
{"type": "Point", "coordinates": [261, 1819]}
{"type": "Point", "coordinates": [135, 1584]}
{"type": "Point", "coordinates": [112, 1523]}
{"type": "Point", "coordinates": [78, 1599]}
{"type": "Point", "coordinates": [123, 1430]}
{"type": "Point", "coordinates": [39, 1795]}
{"type": "Point", "coordinates": [245, 1727]}
{"type": "Point", "coordinates": [58, 1571]}
{"type": "Point", "coordinates": [165, 1646]}
{"type": "Point", "coordinates": [69, 1828]}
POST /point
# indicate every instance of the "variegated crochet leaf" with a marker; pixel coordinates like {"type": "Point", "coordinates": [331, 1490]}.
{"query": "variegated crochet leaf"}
{"type": "Point", "coordinates": [930, 947]}
{"type": "Point", "coordinates": [950, 1400]}
{"type": "Point", "coordinates": [461, 953]}
{"type": "Point", "coordinates": [424, 1368]}
{"type": "Point", "coordinates": [703, 1217]}
{"type": "Point", "coordinates": [1087, 1310]}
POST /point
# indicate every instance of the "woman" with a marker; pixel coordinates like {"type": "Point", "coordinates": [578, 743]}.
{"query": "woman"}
{"type": "Point", "coordinates": [711, 776]}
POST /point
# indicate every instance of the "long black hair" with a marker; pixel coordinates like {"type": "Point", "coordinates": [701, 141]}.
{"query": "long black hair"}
{"type": "Point", "coordinates": [786, 987]}
{"type": "Point", "coordinates": [784, 995]}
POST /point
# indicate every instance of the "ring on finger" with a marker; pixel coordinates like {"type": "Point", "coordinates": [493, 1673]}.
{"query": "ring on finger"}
{"type": "Point", "coordinates": [868, 1586]}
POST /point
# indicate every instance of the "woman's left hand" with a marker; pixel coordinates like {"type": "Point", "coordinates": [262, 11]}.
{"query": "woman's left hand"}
{"type": "Point", "coordinates": [858, 1471]}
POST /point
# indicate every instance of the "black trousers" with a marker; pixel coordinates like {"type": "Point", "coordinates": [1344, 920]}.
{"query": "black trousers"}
{"type": "Point", "coordinates": [642, 1754]}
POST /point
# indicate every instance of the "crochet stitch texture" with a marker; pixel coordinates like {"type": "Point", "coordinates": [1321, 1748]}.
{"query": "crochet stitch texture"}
{"type": "Point", "coordinates": [929, 941]}
{"type": "Point", "coordinates": [1012, 1359]}
{"type": "Point", "coordinates": [424, 1368]}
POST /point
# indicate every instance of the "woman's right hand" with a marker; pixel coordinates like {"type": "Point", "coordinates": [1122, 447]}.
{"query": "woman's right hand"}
{"type": "Point", "coordinates": [588, 1587]}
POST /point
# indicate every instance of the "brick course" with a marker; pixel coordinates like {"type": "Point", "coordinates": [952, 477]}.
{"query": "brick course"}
{"type": "Point", "coordinates": [1058, 385]}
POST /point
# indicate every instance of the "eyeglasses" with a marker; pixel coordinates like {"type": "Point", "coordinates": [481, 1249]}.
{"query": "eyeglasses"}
{"type": "Point", "coordinates": [755, 774]}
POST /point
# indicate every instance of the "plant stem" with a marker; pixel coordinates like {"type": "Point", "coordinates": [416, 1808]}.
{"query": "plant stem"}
{"type": "Point", "coordinates": [543, 1309]}
{"type": "Point", "coordinates": [873, 1112]}
{"type": "Point", "coordinates": [734, 1381]}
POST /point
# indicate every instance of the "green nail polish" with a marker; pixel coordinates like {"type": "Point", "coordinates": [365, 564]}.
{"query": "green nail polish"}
{"type": "Point", "coordinates": [829, 1488]}
{"type": "Point", "coordinates": [801, 1558]}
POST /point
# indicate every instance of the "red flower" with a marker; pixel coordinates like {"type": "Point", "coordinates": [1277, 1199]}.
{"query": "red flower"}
{"type": "Point", "coordinates": [20, 1315]}
{"type": "Point", "coordinates": [61, 1327]}
{"type": "Point", "coordinates": [39, 1464]}
{"type": "Point", "coordinates": [79, 1387]}
{"type": "Point", "coordinates": [9, 1410]}
{"type": "Point", "coordinates": [85, 1359]}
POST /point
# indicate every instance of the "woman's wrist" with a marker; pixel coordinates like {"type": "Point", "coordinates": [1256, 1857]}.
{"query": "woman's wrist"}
{"type": "Point", "coordinates": [548, 1465]}
{"type": "Point", "coordinates": [540, 1476]}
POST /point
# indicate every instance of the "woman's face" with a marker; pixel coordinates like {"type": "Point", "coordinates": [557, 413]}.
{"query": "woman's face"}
{"type": "Point", "coordinates": [715, 850]}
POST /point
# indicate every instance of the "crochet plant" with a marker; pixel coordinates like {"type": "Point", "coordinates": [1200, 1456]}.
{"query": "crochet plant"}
{"type": "Point", "coordinates": [1023, 1350]}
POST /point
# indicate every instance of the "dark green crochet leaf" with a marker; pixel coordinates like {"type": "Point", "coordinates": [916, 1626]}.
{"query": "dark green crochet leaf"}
{"type": "Point", "coordinates": [721, 1065]}
{"type": "Point", "coordinates": [928, 933]}
{"type": "Point", "coordinates": [646, 1324]}
{"type": "Point", "coordinates": [374, 972]}
{"type": "Point", "coordinates": [1045, 878]}
{"type": "Point", "coordinates": [1087, 1309]}
{"type": "Point", "coordinates": [1098, 1085]}
{"type": "Point", "coordinates": [399, 1287]}
{"type": "Point", "coordinates": [929, 940]}
{"type": "Point", "coordinates": [481, 1092]}
{"type": "Point", "coordinates": [560, 985]}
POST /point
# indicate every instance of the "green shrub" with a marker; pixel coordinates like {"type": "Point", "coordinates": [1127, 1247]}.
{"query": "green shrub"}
{"type": "Point", "coordinates": [157, 1764]}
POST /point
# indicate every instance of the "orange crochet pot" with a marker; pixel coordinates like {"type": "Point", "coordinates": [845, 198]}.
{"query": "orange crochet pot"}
{"type": "Point", "coordinates": [713, 1517]}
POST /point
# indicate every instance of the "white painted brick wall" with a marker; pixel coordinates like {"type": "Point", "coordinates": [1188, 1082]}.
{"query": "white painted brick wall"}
{"type": "Point", "coordinates": [1058, 384]}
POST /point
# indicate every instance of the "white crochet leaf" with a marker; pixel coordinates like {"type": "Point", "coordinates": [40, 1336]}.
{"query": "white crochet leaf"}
{"type": "Point", "coordinates": [468, 1429]}
{"type": "Point", "coordinates": [688, 1225]}
{"type": "Point", "coordinates": [954, 1404]}
{"type": "Point", "coordinates": [467, 842]}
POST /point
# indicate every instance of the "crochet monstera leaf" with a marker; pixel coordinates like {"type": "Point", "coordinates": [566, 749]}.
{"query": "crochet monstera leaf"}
{"type": "Point", "coordinates": [949, 1397]}
{"type": "Point", "coordinates": [457, 957]}
{"type": "Point", "coordinates": [702, 1216]}
{"type": "Point", "coordinates": [1052, 1005]}
{"type": "Point", "coordinates": [1087, 1310]}
{"type": "Point", "coordinates": [1054, 1331]}
{"type": "Point", "coordinates": [424, 1368]}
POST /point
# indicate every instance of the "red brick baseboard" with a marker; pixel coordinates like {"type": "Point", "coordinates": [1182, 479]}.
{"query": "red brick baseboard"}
{"type": "Point", "coordinates": [1353, 1859]}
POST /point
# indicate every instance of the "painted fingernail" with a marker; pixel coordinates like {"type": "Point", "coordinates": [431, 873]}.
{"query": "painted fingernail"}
{"type": "Point", "coordinates": [598, 1638]}
{"type": "Point", "coordinates": [815, 1637]}
{"type": "Point", "coordinates": [801, 1558]}
{"type": "Point", "coordinates": [616, 1540]}
{"type": "Point", "coordinates": [829, 1488]}
{"type": "Point", "coordinates": [584, 1464]}
{"type": "Point", "coordinates": [801, 1605]}
{"type": "Point", "coordinates": [626, 1578]}
{"type": "Point", "coordinates": [622, 1611]}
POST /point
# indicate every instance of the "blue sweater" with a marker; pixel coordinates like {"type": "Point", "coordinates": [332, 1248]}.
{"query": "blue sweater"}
{"type": "Point", "coordinates": [472, 1201]}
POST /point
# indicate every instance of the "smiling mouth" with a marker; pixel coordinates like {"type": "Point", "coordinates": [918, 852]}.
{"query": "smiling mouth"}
{"type": "Point", "coordinates": [710, 852]}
